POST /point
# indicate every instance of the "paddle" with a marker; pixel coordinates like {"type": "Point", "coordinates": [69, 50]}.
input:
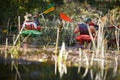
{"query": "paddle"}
{"type": "Point", "coordinates": [50, 8]}
{"type": "Point", "coordinates": [51, 5]}
{"type": "Point", "coordinates": [65, 17]}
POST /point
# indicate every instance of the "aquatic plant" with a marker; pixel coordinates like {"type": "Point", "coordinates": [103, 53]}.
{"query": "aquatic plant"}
{"type": "Point", "coordinates": [14, 51]}
{"type": "Point", "coordinates": [62, 57]}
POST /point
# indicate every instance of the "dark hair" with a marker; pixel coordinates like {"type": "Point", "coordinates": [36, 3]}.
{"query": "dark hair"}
{"type": "Point", "coordinates": [88, 19]}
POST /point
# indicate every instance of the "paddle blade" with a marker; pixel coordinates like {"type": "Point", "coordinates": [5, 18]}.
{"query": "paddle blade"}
{"type": "Point", "coordinates": [49, 10]}
{"type": "Point", "coordinates": [51, 5]}
{"type": "Point", "coordinates": [65, 17]}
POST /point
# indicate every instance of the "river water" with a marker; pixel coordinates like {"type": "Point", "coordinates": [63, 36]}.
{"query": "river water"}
{"type": "Point", "coordinates": [46, 71]}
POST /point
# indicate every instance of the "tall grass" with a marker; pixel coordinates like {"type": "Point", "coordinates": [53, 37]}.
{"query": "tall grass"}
{"type": "Point", "coordinates": [62, 57]}
{"type": "Point", "coordinates": [53, 36]}
{"type": "Point", "coordinates": [14, 53]}
{"type": "Point", "coordinates": [99, 51]}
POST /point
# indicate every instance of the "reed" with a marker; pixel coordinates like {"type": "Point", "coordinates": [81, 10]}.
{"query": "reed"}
{"type": "Point", "coordinates": [56, 49]}
{"type": "Point", "coordinates": [87, 65]}
{"type": "Point", "coordinates": [15, 53]}
{"type": "Point", "coordinates": [62, 58]}
{"type": "Point", "coordinates": [80, 60]}
{"type": "Point", "coordinates": [117, 34]}
{"type": "Point", "coordinates": [6, 49]}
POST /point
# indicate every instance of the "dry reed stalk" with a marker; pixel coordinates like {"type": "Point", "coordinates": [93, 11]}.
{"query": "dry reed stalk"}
{"type": "Point", "coordinates": [91, 74]}
{"type": "Point", "coordinates": [62, 57]}
{"type": "Point", "coordinates": [8, 25]}
{"type": "Point", "coordinates": [102, 63]}
{"type": "Point", "coordinates": [100, 39]}
{"type": "Point", "coordinates": [14, 43]}
{"type": "Point", "coordinates": [56, 48]}
{"type": "Point", "coordinates": [87, 65]}
{"type": "Point", "coordinates": [80, 59]}
{"type": "Point", "coordinates": [101, 46]}
{"type": "Point", "coordinates": [92, 58]}
{"type": "Point", "coordinates": [105, 75]}
{"type": "Point", "coordinates": [117, 34]}
{"type": "Point", "coordinates": [6, 47]}
{"type": "Point", "coordinates": [116, 65]}
{"type": "Point", "coordinates": [94, 46]}
{"type": "Point", "coordinates": [116, 57]}
{"type": "Point", "coordinates": [19, 23]}
{"type": "Point", "coordinates": [17, 71]}
{"type": "Point", "coordinates": [25, 39]}
{"type": "Point", "coordinates": [93, 41]}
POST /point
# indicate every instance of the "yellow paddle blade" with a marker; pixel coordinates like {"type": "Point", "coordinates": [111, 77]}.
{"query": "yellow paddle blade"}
{"type": "Point", "coordinates": [49, 10]}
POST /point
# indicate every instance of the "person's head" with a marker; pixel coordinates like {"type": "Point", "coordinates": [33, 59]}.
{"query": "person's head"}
{"type": "Point", "coordinates": [35, 15]}
{"type": "Point", "coordinates": [28, 17]}
{"type": "Point", "coordinates": [88, 20]}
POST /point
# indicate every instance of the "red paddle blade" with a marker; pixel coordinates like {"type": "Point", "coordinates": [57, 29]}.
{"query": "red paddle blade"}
{"type": "Point", "coordinates": [65, 17]}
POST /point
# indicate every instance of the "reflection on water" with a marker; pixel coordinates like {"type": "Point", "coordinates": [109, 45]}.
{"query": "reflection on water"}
{"type": "Point", "coordinates": [45, 71]}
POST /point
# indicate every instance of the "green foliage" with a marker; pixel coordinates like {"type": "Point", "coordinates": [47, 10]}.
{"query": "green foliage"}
{"type": "Point", "coordinates": [14, 51]}
{"type": "Point", "coordinates": [13, 8]}
{"type": "Point", "coordinates": [76, 9]}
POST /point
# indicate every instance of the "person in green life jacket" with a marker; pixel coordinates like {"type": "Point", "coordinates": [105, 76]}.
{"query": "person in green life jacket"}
{"type": "Point", "coordinates": [84, 35]}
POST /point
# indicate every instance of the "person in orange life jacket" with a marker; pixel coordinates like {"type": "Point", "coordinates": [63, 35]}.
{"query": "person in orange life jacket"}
{"type": "Point", "coordinates": [31, 22]}
{"type": "Point", "coordinates": [83, 31]}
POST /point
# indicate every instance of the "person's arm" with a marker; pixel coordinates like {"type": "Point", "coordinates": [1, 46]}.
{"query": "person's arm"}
{"type": "Point", "coordinates": [93, 31]}
{"type": "Point", "coordinates": [36, 19]}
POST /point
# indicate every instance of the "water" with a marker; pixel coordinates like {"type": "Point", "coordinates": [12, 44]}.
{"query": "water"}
{"type": "Point", "coordinates": [45, 71]}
